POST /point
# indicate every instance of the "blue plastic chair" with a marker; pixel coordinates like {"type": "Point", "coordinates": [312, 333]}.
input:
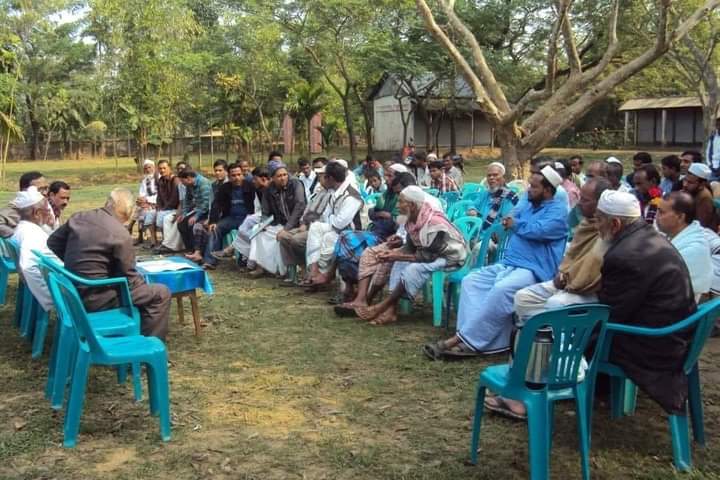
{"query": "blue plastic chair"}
{"type": "Point", "coordinates": [623, 391]}
{"type": "Point", "coordinates": [459, 209]}
{"type": "Point", "coordinates": [7, 267]}
{"type": "Point", "coordinates": [470, 187]}
{"type": "Point", "coordinates": [483, 258]}
{"type": "Point", "coordinates": [517, 186]}
{"type": "Point", "coordinates": [572, 327]}
{"type": "Point", "coordinates": [111, 351]}
{"type": "Point", "coordinates": [470, 229]}
{"type": "Point", "coordinates": [450, 197]}
{"type": "Point", "coordinates": [478, 197]}
{"type": "Point", "coordinates": [121, 321]}
{"type": "Point", "coordinates": [229, 237]}
{"type": "Point", "coordinates": [10, 249]}
{"type": "Point", "coordinates": [433, 191]}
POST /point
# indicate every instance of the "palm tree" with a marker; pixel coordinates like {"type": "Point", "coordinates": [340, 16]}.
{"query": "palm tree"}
{"type": "Point", "coordinates": [304, 102]}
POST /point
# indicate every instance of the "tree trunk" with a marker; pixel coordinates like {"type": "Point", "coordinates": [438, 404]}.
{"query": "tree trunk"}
{"type": "Point", "coordinates": [428, 129]}
{"type": "Point", "coordinates": [199, 148]}
{"type": "Point", "coordinates": [34, 127]}
{"type": "Point", "coordinates": [453, 134]}
{"type": "Point", "coordinates": [514, 156]}
{"type": "Point", "coordinates": [47, 144]}
{"type": "Point", "coordinates": [350, 128]}
{"type": "Point", "coordinates": [309, 137]}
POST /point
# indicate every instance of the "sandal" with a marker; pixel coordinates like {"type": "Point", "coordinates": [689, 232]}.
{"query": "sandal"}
{"type": "Point", "coordinates": [460, 351]}
{"type": "Point", "coordinates": [435, 351]}
{"type": "Point", "coordinates": [498, 405]}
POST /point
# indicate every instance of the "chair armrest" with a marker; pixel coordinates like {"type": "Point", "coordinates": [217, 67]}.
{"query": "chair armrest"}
{"type": "Point", "coordinates": [652, 332]}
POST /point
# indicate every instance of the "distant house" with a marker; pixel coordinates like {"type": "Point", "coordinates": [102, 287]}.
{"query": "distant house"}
{"type": "Point", "coordinates": [432, 100]}
{"type": "Point", "coordinates": [663, 121]}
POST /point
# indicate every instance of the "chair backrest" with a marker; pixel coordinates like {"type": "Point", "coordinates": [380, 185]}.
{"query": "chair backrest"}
{"type": "Point", "coordinates": [433, 191]}
{"type": "Point", "coordinates": [70, 306]}
{"type": "Point", "coordinates": [469, 227]}
{"type": "Point", "coordinates": [470, 187]}
{"type": "Point", "coordinates": [55, 266]}
{"type": "Point", "coordinates": [451, 197]}
{"type": "Point", "coordinates": [459, 209]}
{"type": "Point", "coordinates": [6, 256]}
{"type": "Point", "coordinates": [12, 249]}
{"type": "Point", "coordinates": [479, 197]}
{"type": "Point", "coordinates": [572, 329]}
{"type": "Point", "coordinates": [517, 186]}
{"type": "Point", "coordinates": [495, 233]}
{"type": "Point", "coordinates": [705, 316]}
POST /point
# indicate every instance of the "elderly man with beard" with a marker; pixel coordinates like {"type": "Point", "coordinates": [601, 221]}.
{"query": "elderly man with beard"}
{"type": "Point", "coordinates": [539, 232]}
{"type": "Point", "coordinates": [501, 199]}
{"type": "Point", "coordinates": [646, 283]}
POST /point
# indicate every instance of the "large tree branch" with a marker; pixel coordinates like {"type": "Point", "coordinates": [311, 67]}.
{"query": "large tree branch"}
{"type": "Point", "coordinates": [487, 106]}
{"type": "Point", "coordinates": [551, 63]}
{"type": "Point", "coordinates": [569, 37]}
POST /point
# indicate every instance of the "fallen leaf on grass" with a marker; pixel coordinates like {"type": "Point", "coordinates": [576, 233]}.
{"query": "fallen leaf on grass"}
{"type": "Point", "coordinates": [19, 423]}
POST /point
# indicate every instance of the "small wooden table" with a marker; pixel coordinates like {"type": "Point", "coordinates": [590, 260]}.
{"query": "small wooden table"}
{"type": "Point", "coordinates": [183, 278]}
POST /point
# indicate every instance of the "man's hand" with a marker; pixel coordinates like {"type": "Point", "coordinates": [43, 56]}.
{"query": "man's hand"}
{"type": "Point", "coordinates": [212, 227]}
{"type": "Point", "coordinates": [508, 222]}
{"type": "Point", "coordinates": [559, 281]}
{"type": "Point", "coordinates": [179, 218]}
{"type": "Point", "coordinates": [394, 241]}
{"type": "Point", "coordinates": [192, 221]}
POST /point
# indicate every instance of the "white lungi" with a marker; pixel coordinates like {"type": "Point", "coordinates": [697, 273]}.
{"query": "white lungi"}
{"type": "Point", "coordinates": [241, 244]}
{"type": "Point", "coordinates": [539, 297]}
{"type": "Point", "coordinates": [265, 250]}
{"type": "Point", "coordinates": [320, 248]}
{"type": "Point", "coordinates": [171, 235]}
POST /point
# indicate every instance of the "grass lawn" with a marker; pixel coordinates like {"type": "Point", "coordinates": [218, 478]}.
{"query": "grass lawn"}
{"type": "Point", "coordinates": [277, 387]}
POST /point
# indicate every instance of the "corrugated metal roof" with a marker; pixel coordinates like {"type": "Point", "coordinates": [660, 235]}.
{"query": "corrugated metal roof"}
{"type": "Point", "coordinates": [660, 103]}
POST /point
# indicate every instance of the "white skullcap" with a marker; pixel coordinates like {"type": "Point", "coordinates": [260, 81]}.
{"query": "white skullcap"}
{"type": "Point", "coordinates": [397, 168]}
{"type": "Point", "coordinates": [559, 165]}
{"type": "Point", "coordinates": [148, 162]}
{"type": "Point", "coordinates": [619, 204]}
{"type": "Point", "coordinates": [319, 169]}
{"type": "Point", "coordinates": [28, 198]}
{"type": "Point", "coordinates": [613, 160]}
{"type": "Point", "coordinates": [551, 175]}
{"type": "Point", "coordinates": [341, 162]}
{"type": "Point", "coordinates": [431, 157]}
{"type": "Point", "coordinates": [498, 165]}
{"type": "Point", "coordinates": [414, 194]}
{"type": "Point", "coordinates": [700, 170]}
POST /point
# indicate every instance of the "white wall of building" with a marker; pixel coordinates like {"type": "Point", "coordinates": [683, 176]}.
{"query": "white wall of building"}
{"type": "Point", "coordinates": [388, 127]}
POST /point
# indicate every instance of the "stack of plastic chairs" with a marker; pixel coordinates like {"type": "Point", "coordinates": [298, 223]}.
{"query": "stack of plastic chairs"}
{"type": "Point", "coordinates": [121, 321]}
{"type": "Point", "coordinates": [92, 349]}
{"type": "Point", "coordinates": [459, 209]}
{"type": "Point", "coordinates": [572, 329]}
{"type": "Point", "coordinates": [623, 391]}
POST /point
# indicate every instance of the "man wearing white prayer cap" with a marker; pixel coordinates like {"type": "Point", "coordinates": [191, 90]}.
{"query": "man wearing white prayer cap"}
{"type": "Point", "coordinates": [29, 235]}
{"type": "Point", "coordinates": [614, 171]}
{"type": "Point", "coordinates": [533, 253]}
{"type": "Point", "coordinates": [145, 213]}
{"type": "Point", "coordinates": [646, 283]}
{"type": "Point", "coordinates": [350, 174]}
{"type": "Point", "coordinates": [696, 183]}
{"type": "Point", "coordinates": [500, 200]}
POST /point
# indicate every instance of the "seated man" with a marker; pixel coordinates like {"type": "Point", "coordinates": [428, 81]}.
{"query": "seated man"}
{"type": "Point", "coordinates": [535, 248]}
{"type": "Point", "coordinates": [615, 175]}
{"type": "Point", "coordinates": [30, 235]}
{"type": "Point", "coordinates": [452, 171]}
{"type": "Point", "coordinates": [647, 190]}
{"type": "Point", "coordinates": [373, 183]}
{"type": "Point", "coordinates": [576, 167]}
{"type": "Point", "coordinates": [639, 159]}
{"type": "Point", "coordinates": [246, 167]}
{"type": "Point", "coordinates": [573, 191]}
{"type": "Point", "coordinates": [195, 205]}
{"type": "Point", "coordinates": [687, 158]}
{"type": "Point", "coordinates": [307, 176]}
{"type": "Point", "coordinates": [167, 199]}
{"type": "Point", "coordinates": [293, 242]}
{"type": "Point", "coordinates": [419, 169]}
{"type": "Point", "coordinates": [646, 283]}
{"type": "Point", "coordinates": [232, 203]}
{"type": "Point", "coordinates": [172, 239]}
{"type": "Point", "coordinates": [439, 179]}
{"type": "Point", "coordinates": [260, 181]}
{"type": "Point", "coordinates": [220, 172]}
{"type": "Point", "coordinates": [9, 216]}
{"type": "Point", "coordinates": [676, 219]}
{"type": "Point", "coordinates": [284, 200]}
{"type": "Point", "coordinates": [344, 206]}
{"type": "Point", "coordinates": [500, 199]}
{"type": "Point", "coordinates": [145, 212]}
{"type": "Point", "coordinates": [671, 174]}
{"type": "Point", "coordinates": [696, 183]}
{"type": "Point", "coordinates": [95, 244]}
{"type": "Point", "coordinates": [432, 244]}
{"type": "Point", "coordinates": [58, 198]}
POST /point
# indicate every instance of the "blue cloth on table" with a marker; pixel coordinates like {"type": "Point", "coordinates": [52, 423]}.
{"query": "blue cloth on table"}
{"type": "Point", "coordinates": [179, 281]}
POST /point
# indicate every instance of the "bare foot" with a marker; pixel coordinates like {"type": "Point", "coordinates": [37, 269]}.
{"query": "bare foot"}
{"type": "Point", "coordinates": [388, 316]}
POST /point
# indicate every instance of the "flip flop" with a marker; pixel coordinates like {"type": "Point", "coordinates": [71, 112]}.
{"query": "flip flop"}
{"type": "Point", "coordinates": [503, 409]}
{"type": "Point", "coordinates": [434, 351]}
{"type": "Point", "coordinates": [460, 351]}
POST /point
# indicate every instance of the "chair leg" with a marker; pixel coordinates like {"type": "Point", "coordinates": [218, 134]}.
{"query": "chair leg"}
{"type": "Point", "coordinates": [680, 442]}
{"type": "Point", "coordinates": [630, 398]}
{"type": "Point", "coordinates": [121, 373]}
{"type": "Point", "coordinates": [160, 390]}
{"type": "Point", "coordinates": [41, 325]}
{"type": "Point", "coordinates": [477, 423]}
{"type": "Point", "coordinates": [66, 352]}
{"type": "Point", "coordinates": [617, 394]}
{"type": "Point", "coordinates": [583, 427]}
{"type": "Point", "coordinates": [538, 445]}
{"type": "Point", "coordinates": [73, 412]}
{"type": "Point", "coordinates": [137, 382]}
{"type": "Point", "coordinates": [53, 359]}
{"type": "Point", "coordinates": [19, 300]}
{"type": "Point", "coordinates": [695, 402]}
{"type": "Point", "coordinates": [438, 282]}
{"type": "Point", "coordinates": [28, 312]}
{"type": "Point", "coordinates": [4, 278]}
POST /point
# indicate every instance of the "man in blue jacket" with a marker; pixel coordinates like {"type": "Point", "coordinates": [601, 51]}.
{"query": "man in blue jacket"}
{"type": "Point", "coordinates": [533, 254]}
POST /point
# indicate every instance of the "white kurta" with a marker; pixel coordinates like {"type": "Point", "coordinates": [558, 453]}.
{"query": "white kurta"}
{"type": "Point", "coordinates": [30, 236]}
{"type": "Point", "coordinates": [265, 250]}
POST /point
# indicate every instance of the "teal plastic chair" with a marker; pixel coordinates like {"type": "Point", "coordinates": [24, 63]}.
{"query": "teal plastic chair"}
{"type": "Point", "coordinates": [433, 191]}
{"type": "Point", "coordinates": [483, 257]}
{"type": "Point", "coordinates": [372, 199]}
{"type": "Point", "coordinates": [517, 186]}
{"type": "Point", "coordinates": [10, 249]}
{"type": "Point", "coordinates": [459, 209]}
{"type": "Point", "coordinates": [110, 351]}
{"type": "Point", "coordinates": [623, 391]}
{"type": "Point", "coordinates": [478, 197]}
{"type": "Point", "coordinates": [121, 321]}
{"type": "Point", "coordinates": [470, 229]}
{"type": "Point", "coordinates": [229, 237]}
{"type": "Point", "coordinates": [450, 198]}
{"type": "Point", "coordinates": [470, 187]}
{"type": "Point", "coordinates": [572, 328]}
{"type": "Point", "coordinates": [7, 267]}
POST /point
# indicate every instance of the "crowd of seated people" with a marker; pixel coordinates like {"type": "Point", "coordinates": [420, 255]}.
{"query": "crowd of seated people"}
{"type": "Point", "coordinates": [646, 244]}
